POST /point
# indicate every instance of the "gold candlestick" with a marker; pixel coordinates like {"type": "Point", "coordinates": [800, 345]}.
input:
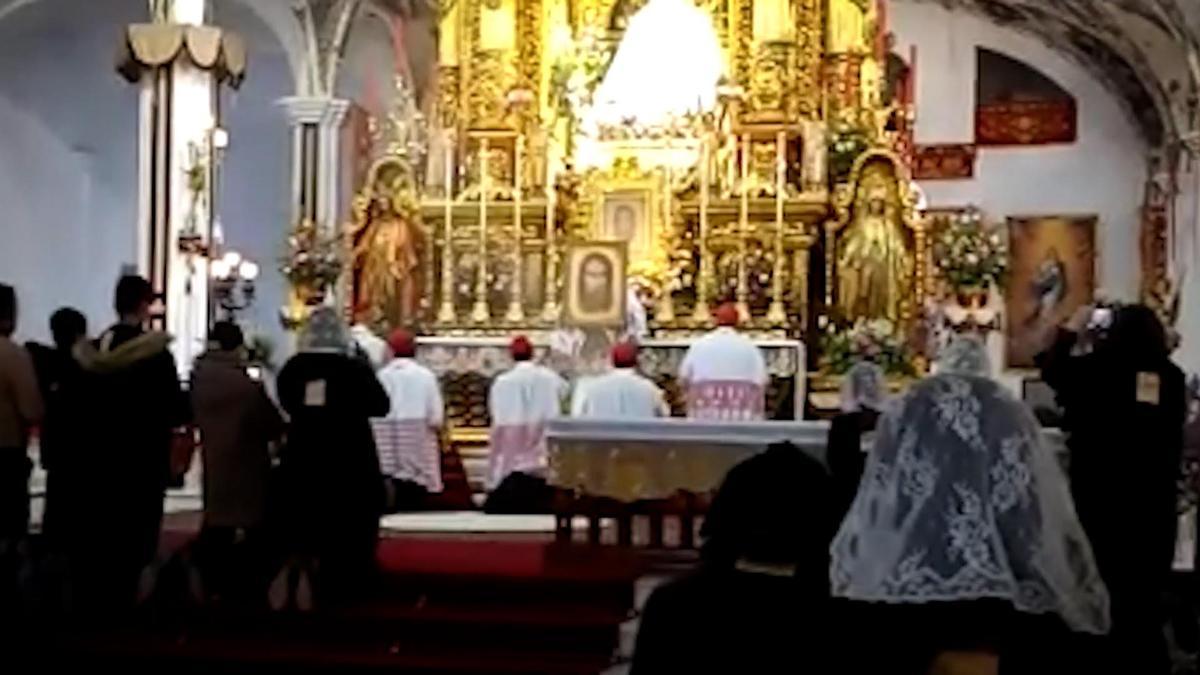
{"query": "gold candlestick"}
{"type": "Point", "coordinates": [700, 313]}
{"type": "Point", "coordinates": [665, 310]}
{"type": "Point", "coordinates": [743, 288]}
{"type": "Point", "coordinates": [550, 301]}
{"type": "Point", "coordinates": [480, 313]}
{"type": "Point", "coordinates": [777, 313]}
{"type": "Point", "coordinates": [446, 311]}
{"type": "Point", "coordinates": [516, 300]}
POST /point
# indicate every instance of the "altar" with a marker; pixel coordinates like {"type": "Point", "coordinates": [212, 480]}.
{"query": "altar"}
{"type": "Point", "coordinates": [572, 165]}
{"type": "Point", "coordinates": [467, 365]}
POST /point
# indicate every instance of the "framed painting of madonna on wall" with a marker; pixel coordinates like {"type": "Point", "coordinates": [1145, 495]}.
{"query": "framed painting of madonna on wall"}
{"type": "Point", "coordinates": [1052, 274]}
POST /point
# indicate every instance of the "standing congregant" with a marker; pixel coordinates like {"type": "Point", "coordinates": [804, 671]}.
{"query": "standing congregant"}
{"type": "Point", "coordinates": [521, 402]}
{"type": "Point", "coordinates": [20, 409]}
{"type": "Point", "coordinates": [407, 439]}
{"type": "Point", "coordinates": [622, 392]}
{"type": "Point", "coordinates": [137, 403]}
{"type": "Point", "coordinates": [333, 491]}
{"type": "Point", "coordinates": [724, 374]}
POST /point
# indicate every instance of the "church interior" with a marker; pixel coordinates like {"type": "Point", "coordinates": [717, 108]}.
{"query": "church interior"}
{"type": "Point", "coordinates": [856, 178]}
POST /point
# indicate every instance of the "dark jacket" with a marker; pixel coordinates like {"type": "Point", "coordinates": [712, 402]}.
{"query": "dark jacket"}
{"type": "Point", "coordinates": [1125, 455]}
{"type": "Point", "coordinates": [845, 456]}
{"type": "Point", "coordinates": [237, 422]}
{"type": "Point", "coordinates": [332, 488]}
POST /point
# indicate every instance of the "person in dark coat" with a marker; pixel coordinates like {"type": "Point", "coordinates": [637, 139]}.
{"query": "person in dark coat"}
{"type": "Point", "coordinates": [135, 405]}
{"type": "Point", "coordinates": [864, 395]}
{"type": "Point", "coordinates": [237, 423]}
{"type": "Point", "coordinates": [333, 490]}
{"type": "Point", "coordinates": [1124, 405]}
{"type": "Point", "coordinates": [762, 584]}
{"type": "Point", "coordinates": [64, 432]}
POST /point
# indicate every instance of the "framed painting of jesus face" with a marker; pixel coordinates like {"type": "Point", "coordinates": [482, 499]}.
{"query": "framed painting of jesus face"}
{"type": "Point", "coordinates": [595, 294]}
{"type": "Point", "coordinates": [625, 220]}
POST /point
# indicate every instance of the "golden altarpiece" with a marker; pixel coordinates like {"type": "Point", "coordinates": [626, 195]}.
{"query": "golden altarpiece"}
{"type": "Point", "coordinates": [710, 137]}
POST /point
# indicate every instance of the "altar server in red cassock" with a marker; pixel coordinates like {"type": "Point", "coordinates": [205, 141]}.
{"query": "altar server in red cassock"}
{"type": "Point", "coordinates": [407, 439]}
{"type": "Point", "coordinates": [723, 374]}
{"type": "Point", "coordinates": [521, 402]}
{"type": "Point", "coordinates": [620, 393]}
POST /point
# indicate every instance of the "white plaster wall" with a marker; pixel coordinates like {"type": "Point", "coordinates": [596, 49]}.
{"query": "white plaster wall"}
{"type": "Point", "coordinates": [1187, 268]}
{"type": "Point", "coordinates": [254, 190]}
{"type": "Point", "coordinates": [68, 158]}
{"type": "Point", "coordinates": [68, 167]}
{"type": "Point", "coordinates": [1102, 173]}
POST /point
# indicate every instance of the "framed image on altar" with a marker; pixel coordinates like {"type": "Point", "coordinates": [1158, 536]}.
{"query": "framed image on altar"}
{"type": "Point", "coordinates": [625, 218]}
{"type": "Point", "coordinates": [595, 293]}
{"type": "Point", "coordinates": [1052, 273]}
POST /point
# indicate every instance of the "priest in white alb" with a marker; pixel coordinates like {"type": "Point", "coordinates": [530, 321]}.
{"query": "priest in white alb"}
{"type": "Point", "coordinates": [622, 393]}
{"type": "Point", "coordinates": [723, 375]}
{"type": "Point", "coordinates": [407, 439]}
{"type": "Point", "coordinates": [521, 401]}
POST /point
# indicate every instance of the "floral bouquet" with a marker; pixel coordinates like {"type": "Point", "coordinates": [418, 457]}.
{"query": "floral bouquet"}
{"type": "Point", "coordinates": [313, 261]}
{"type": "Point", "coordinates": [970, 255]}
{"type": "Point", "coordinates": [875, 340]}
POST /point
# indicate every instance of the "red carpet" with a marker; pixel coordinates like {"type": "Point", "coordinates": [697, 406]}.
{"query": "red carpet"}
{"type": "Point", "coordinates": [443, 606]}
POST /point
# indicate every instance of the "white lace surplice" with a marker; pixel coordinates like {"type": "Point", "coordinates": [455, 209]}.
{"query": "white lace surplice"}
{"type": "Point", "coordinates": [725, 377]}
{"type": "Point", "coordinates": [521, 401]}
{"type": "Point", "coordinates": [406, 439]}
{"type": "Point", "coordinates": [961, 500]}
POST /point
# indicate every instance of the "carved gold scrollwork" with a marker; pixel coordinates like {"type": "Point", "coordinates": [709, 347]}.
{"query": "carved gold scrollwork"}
{"type": "Point", "coordinates": [769, 81]}
{"type": "Point", "coordinates": [495, 75]}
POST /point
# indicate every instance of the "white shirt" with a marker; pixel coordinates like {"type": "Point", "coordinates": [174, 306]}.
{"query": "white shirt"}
{"type": "Point", "coordinates": [724, 355]}
{"type": "Point", "coordinates": [622, 393]}
{"type": "Point", "coordinates": [413, 390]}
{"type": "Point", "coordinates": [376, 348]}
{"type": "Point", "coordinates": [527, 394]}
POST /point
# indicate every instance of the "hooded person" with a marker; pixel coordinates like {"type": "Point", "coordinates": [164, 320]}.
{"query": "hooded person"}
{"type": "Point", "coordinates": [137, 404]}
{"type": "Point", "coordinates": [723, 374]}
{"type": "Point", "coordinates": [621, 393]}
{"type": "Point", "coordinates": [407, 437]}
{"type": "Point", "coordinates": [864, 397]}
{"type": "Point", "coordinates": [521, 401]}
{"type": "Point", "coordinates": [763, 579]}
{"type": "Point", "coordinates": [332, 486]}
{"type": "Point", "coordinates": [963, 537]}
{"type": "Point", "coordinates": [1124, 408]}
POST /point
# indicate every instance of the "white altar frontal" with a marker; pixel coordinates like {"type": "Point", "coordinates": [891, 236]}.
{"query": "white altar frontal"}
{"type": "Point", "coordinates": [466, 366]}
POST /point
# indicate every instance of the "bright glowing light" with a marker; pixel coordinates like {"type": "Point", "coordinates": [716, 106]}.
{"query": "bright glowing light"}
{"type": "Point", "coordinates": [219, 269]}
{"type": "Point", "coordinates": [650, 84]}
{"type": "Point", "coordinates": [248, 270]}
{"type": "Point", "coordinates": [232, 259]}
{"type": "Point", "coordinates": [220, 138]}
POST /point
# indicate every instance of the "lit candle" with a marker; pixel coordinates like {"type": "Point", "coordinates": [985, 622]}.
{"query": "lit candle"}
{"type": "Point", "coordinates": [516, 310]}
{"type": "Point", "coordinates": [446, 311]}
{"type": "Point", "coordinates": [743, 225]}
{"type": "Point", "coordinates": [480, 313]}
{"type": "Point", "coordinates": [700, 313]}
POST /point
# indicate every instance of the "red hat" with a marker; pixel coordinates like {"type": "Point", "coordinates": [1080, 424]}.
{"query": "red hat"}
{"type": "Point", "coordinates": [624, 354]}
{"type": "Point", "coordinates": [727, 315]}
{"type": "Point", "coordinates": [403, 344]}
{"type": "Point", "coordinates": [521, 348]}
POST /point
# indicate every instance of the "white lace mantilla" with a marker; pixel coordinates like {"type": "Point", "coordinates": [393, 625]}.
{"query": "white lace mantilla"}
{"type": "Point", "coordinates": [964, 499]}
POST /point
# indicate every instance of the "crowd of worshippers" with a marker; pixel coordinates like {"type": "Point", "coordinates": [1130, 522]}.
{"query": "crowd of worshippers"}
{"type": "Point", "coordinates": [942, 528]}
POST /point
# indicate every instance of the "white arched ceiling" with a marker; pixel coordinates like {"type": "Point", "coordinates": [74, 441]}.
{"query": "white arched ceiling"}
{"type": "Point", "coordinates": [1142, 50]}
